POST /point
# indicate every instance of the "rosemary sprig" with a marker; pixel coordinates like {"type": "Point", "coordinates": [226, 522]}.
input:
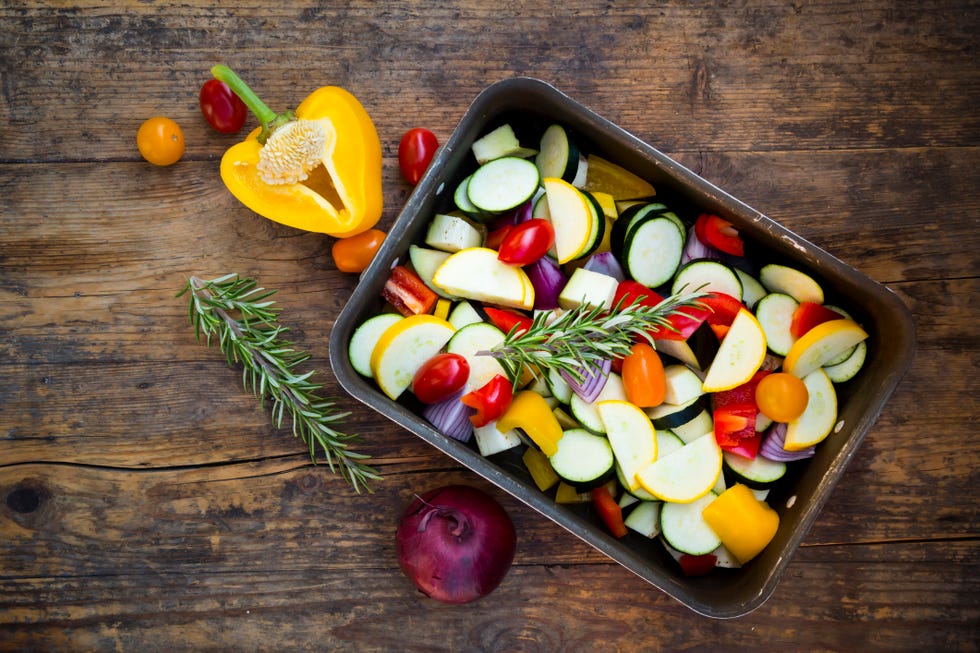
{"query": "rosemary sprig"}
{"type": "Point", "coordinates": [244, 320]}
{"type": "Point", "coordinates": [579, 339]}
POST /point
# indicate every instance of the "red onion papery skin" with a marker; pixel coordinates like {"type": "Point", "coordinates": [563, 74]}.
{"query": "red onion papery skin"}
{"type": "Point", "coordinates": [456, 543]}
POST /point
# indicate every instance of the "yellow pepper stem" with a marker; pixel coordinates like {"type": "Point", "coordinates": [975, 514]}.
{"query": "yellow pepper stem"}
{"type": "Point", "coordinates": [269, 119]}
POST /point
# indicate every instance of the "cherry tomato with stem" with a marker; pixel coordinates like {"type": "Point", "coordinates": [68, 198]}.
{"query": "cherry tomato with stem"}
{"type": "Point", "coordinates": [223, 110]}
{"type": "Point", "coordinates": [355, 253]}
{"type": "Point", "coordinates": [440, 377]}
{"type": "Point", "coordinates": [781, 397]}
{"type": "Point", "coordinates": [415, 152]}
{"type": "Point", "coordinates": [527, 242]}
{"type": "Point", "coordinates": [643, 376]}
{"type": "Point", "coordinates": [160, 141]}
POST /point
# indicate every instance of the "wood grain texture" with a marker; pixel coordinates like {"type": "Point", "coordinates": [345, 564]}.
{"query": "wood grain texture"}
{"type": "Point", "coordinates": [148, 504]}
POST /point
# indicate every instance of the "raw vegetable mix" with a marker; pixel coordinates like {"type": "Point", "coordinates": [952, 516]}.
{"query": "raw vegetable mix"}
{"type": "Point", "coordinates": [641, 363]}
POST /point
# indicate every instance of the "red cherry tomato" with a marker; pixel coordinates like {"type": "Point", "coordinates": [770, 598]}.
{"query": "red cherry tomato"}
{"type": "Point", "coordinates": [415, 153]}
{"type": "Point", "coordinates": [527, 242]}
{"type": "Point", "coordinates": [223, 110]}
{"type": "Point", "coordinates": [440, 377]}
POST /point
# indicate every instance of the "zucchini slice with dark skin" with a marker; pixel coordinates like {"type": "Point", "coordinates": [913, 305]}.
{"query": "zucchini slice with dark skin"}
{"type": "Point", "coordinates": [558, 156]}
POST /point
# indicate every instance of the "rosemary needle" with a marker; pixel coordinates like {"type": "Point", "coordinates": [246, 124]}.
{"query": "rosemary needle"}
{"type": "Point", "coordinates": [244, 319]}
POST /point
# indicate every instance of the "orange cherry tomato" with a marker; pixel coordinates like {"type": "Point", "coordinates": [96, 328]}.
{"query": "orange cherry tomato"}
{"type": "Point", "coordinates": [353, 254]}
{"type": "Point", "coordinates": [781, 397]}
{"type": "Point", "coordinates": [643, 376]}
{"type": "Point", "coordinates": [160, 141]}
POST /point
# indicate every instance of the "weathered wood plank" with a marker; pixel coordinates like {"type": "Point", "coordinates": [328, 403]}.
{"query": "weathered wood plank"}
{"type": "Point", "coordinates": [742, 76]}
{"type": "Point", "coordinates": [904, 597]}
{"type": "Point", "coordinates": [147, 504]}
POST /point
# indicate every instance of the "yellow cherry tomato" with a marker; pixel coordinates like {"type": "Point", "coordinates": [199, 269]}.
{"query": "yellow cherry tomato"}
{"type": "Point", "coordinates": [781, 397]}
{"type": "Point", "coordinates": [354, 253]}
{"type": "Point", "coordinates": [160, 141]}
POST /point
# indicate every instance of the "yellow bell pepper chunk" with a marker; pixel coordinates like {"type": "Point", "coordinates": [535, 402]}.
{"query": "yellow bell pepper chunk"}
{"type": "Point", "coordinates": [320, 173]}
{"type": "Point", "coordinates": [540, 468]}
{"type": "Point", "coordinates": [744, 524]}
{"type": "Point", "coordinates": [532, 414]}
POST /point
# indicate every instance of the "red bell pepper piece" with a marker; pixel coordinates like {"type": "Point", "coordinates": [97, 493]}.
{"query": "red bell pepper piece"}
{"type": "Point", "coordinates": [720, 234]}
{"type": "Point", "coordinates": [629, 291]}
{"type": "Point", "coordinates": [495, 237]}
{"type": "Point", "coordinates": [609, 511]}
{"type": "Point", "coordinates": [743, 394]}
{"type": "Point", "coordinates": [697, 565]}
{"type": "Point", "coordinates": [490, 401]}
{"type": "Point", "coordinates": [808, 315]}
{"type": "Point", "coordinates": [684, 322]}
{"type": "Point", "coordinates": [735, 412]}
{"type": "Point", "coordinates": [722, 309]}
{"type": "Point", "coordinates": [746, 447]}
{"type": "Point", "coordinates": [406, 291]}
{"type": "Point", "coordinates": [720, 330]}
{"type": "Point", "coordinates": [505, 320]}
{"type": "Point", "coordinates": [734, 423]}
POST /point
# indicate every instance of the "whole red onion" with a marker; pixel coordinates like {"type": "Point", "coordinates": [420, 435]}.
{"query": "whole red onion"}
{"type": "Point", "coordinates": [456, 543]}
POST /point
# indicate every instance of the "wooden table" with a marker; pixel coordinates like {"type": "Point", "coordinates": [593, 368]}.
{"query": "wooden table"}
{"type": "Point", "coordinates": [148, 505]}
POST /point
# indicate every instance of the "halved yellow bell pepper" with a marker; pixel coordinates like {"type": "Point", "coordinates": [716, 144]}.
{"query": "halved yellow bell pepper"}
{"type": "Point", "coordinates": [316, 169]}
{"type": "Point", "coordinates": [744, 524]}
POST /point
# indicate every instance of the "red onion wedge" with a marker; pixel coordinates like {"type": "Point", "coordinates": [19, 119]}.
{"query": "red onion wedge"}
{"type": "Point", "coordinates": [456, 543]}
{"type": "Point", "coordinates": [772, 446]}
{"type": "Point", "coordinates": [548, 281]}
{"type": "Point", "coordinates": [605, 263]}
{"type": "Point", "coordinates": [451, 417]}
{"type": "Point", "coordinates": [592, 382]}
{"type": "Point", "coordinates": [522, 213]}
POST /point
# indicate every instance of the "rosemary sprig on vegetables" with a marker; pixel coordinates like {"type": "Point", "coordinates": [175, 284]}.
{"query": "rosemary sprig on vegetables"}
{"type": "Point", "coordinates": [579, 339]}
{"type": "Point", "coordinates": [244, 320]}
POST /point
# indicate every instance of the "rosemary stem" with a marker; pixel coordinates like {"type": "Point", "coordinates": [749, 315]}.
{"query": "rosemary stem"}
{"type": "Point", "coordinates": [255, 342]}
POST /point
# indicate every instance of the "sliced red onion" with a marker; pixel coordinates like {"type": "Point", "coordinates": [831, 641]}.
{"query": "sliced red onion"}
{"type": "Point", "coordinates": [605, 263]}
{"type": "Point", "coordinates": [451, 417]}
{"type": "Point", "coordinates": [548, 281]}
{"type": "Point", "coordinates": [593, 381]}
{"type": "Point", "coordinates": [772, 446]}
{"type": "Point", "coordinates": [694, 249]}
{"type": "Point", "coordinates": [514, 216]}
{"type": "Point", "coordinates": [524, 212]}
